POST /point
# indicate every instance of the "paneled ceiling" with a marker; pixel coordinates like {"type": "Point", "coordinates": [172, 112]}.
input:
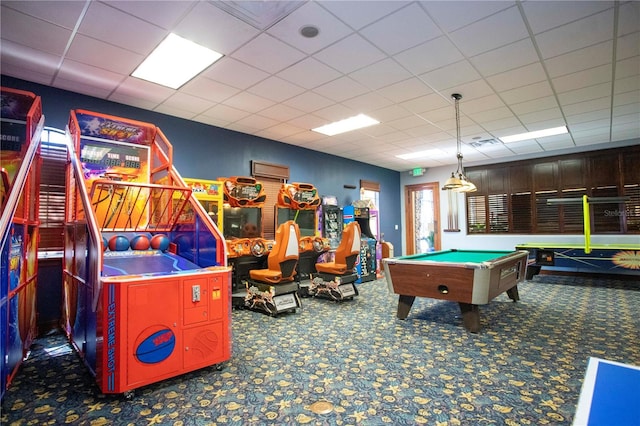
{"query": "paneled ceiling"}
{"type": "Point", "coordinates": [519, 65]}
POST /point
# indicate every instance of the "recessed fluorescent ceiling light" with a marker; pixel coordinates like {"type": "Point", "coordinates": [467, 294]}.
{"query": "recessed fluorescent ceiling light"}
{"type": "Point", "coordinates": [535, 135]}
{"type": "Point", "coordinates": [420, 154]}
{"type": "Point", "coordinates": [346, 125]}
{"type": "Point", "coordinates": [175, 61]}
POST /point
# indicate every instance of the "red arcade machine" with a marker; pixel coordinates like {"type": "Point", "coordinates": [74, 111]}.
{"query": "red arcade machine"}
{"type": "Point", "coordinates": [242, 216]}
{"type": "Point", "coordinates": [145, 291]}
{"type": "Point", "coordinates": [299, 202]}
{"type": "Point", "coordinates": [22, 123]}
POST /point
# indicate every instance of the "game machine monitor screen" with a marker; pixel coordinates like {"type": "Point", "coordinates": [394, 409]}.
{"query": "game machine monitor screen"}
{"type": "Point", "coordinates": [299, 202]}
{"type": "Point", "coordinates": [246, 247]}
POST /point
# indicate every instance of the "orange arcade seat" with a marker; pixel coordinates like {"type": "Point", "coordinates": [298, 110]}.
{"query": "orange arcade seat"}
{"type": "Point", "coordinates": [335, 280]}
{"type": "Point", "coordinates": [274, 289]}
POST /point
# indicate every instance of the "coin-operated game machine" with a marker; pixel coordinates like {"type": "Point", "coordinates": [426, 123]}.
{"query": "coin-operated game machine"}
{"type": "Point", "coordinates": [330, 220]}
{"type": "Point", "coordinates": [300, 202]}
{"type": "Point", "coordinates": [21, 127]}
{"type": "Point", "coordinates": [247, 249]}
{"type": "Point", "coordinates": [366, 267]}
{"type": "Point", "coordinates": [210, 195]}
{"type": "Point", "coordinates": [145, 285]}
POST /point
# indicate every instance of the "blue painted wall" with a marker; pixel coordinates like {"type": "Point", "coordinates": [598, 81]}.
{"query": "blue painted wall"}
{"type": "Point", "coordinates": [207, 152]}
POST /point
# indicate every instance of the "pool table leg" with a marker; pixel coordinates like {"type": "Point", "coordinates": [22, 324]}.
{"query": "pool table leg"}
{"type": "Point", "coordinates": [404, 305]}
{"type": "Point", "coordinates": [513, 293]}
{"type": "Point", "coordinates": [470, 316]}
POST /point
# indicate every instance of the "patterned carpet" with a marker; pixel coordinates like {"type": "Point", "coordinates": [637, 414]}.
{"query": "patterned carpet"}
{"type": "Point", "coordinates": [525, 367]}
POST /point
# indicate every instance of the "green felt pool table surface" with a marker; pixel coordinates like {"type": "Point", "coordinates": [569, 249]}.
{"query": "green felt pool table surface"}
{"type": "Point", "coordinates": [458, 256]}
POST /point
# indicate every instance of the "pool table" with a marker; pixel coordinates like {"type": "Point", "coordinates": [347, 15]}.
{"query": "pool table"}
{"type": "Point", "coordinates": [469, 277]}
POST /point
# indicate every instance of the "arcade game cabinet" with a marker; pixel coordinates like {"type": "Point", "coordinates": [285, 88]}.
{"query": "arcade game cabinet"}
{"type": "Point", "coordinates": [209, 194]}
{"type": "Point", "coordinates": [299, 202]}
{"type": "Point", "coordinates": [145, 287]}
{"type": "Point", "coordinates": [21, 126]}
{"type": "Point", "coordinates": [367, 265]}
{"type": "Point", "coordinates": [246, 247]}
{"type": "Point", "coordinates": [331, 221]}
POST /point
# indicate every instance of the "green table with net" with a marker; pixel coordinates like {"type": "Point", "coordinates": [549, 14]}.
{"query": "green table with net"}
{"type": "Point", "coordinates": [469, 277]}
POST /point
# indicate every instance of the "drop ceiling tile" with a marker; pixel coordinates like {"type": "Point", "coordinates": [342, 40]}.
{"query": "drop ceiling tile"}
{"type": "Point", "coordinates": [576, 35]}
{"type": "Point", "coordinates": [25, 58]}
{"type": "Point", "coordinates": [629, 84]}
{"type": "Point", "coordinates": [585, 94]}
{"type": "Point", "coordinates": [227, 35]}
{"type": "Point", "coordinates": [406, 123]}
{"type": "Point", "coordinates": [580, 60]}
{"type": "Point", "coordinates": [404, 90]}
{"type": "Point", "coordinates": [626, 98]}
{"type": "Point", "coordinates": [330, 28]}
{"type": "Point", "coordinates": [341, 89]}
{"type": "Point", "coordinates": [32, 32]}
{"type": "Point", "coordinates": [99, 54]}
{"type": "Point", "coordinates": [546, 15]}
{"type": "Point", "coordinates": [451, 76]}
{"type": "Point", "coordinates": [429, 102]}
{"type": "Point", "coordinates": [350, 54]}
{"type": "Point", "coordinates": [543, 119]}
{"type": "Point", "coordinates": [185, 102]}
{"type": "Point", "coordinates": [164, 14]}
{"type": "Point", "coordinates": [582, 79]}
{"type": "Point", "coordinates": [590, 137]}
{"type": "Point", "coordinates": [276, 89]}
{"type": "Point", "coordinates": [335, 112]}
{"type": "Point", "coordinates": [147, 93]}
{"type": "Point", "coordinates": [628, 46]}
{"type": "Point", "coordinates": [308, 121]}
{"type": "Point", "coordinates": [61, 13]}
{"type": "Point", "coordinates": [587, 106]}
{"type": "Point", "coordinates": [523, 76]}
{"type": "Point", "coordinates": [620, 110]}
{"type": "Point", "coordinates": [256, 122]}
{"type": "Point", "coordinates": [309, 73]}
{"type": "Point", "coordinates": [26, 74]}
{"type": "Point", "coordinates": [234, 73]}
{"type": "Point", "coordinates": [380, 74]}
{"type": "Point", "coordinates": [208, 89]}
{"type": "Point", "coordinates": [401, 30]}
{"type": "Point", "coordinates": [497, 30]}
{"type": "Point", "coordinates": [222, 123]}
{"type": "Point", "coordinates": [473, 104]}
{"type": "Point", "coordinates": [268, 53]}
{"type": "Point", "coordinates": [84, 87]}
{"type": "Point", "coordinates": [281, 113]}
{"type": "Point", "coordinates": [486, 116]}
{"type": "Point", "coordinates": [601, 114]}
{"type": "Point", "coordinates": [367, 103]}
{"type": "Point", "coordinates": [308, 102]}
{"type": "Point", "coordinates": [625, 133]}
{"type": "Point", "coordinates": [553, 143]}
{"type": "Point", "coordinates": [534, 105]}
{"type": "Point", "coordinates": [175, 112]}
{"type": "Point", "coordinates": [429, 56]}
{"type": "Point", "coordinates": [629, 18]}
{"type": "Point", "coordinates": [471, 90]}
{"type": "Point", "coordinates": [505, 58]}
{"type": "Point", "coordinates": [102, 80]}
{"type": "Point", "coordinates": [356, 16]}
{"type": "Point", "coordinates": [527, 93]}
{"type": "Point", "coordinates": [628, 67]}
{"type": "Point", "coordinates": [525, 147]}
{"type": "Point", "coordinates": [225, 113]}
{"type": "Point", "coordinates": [451, 16]}
{"type": "Point", "coordinates": [115, 27]}
{"type": "Point", "coordinates": [249, 102]}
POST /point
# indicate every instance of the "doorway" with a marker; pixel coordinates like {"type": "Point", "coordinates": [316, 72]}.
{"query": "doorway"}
{"type": "Point", "coordinates": [422, 207]}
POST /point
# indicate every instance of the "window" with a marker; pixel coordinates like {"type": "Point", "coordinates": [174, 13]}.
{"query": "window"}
{"type": "Point", "coordinates": [544, 196]}
{"type": "Point", "coordinates": [53, 151]}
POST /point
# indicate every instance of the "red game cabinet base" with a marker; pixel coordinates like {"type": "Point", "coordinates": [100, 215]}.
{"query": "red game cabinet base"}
{"type": "Point", "coordinates": [153, 328]}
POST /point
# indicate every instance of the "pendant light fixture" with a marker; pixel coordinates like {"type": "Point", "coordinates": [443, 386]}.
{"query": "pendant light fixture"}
{"type": "Point", "coordinates": [458, 181]}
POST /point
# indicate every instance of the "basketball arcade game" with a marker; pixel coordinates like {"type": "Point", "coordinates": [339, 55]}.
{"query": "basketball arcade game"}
{"type": "Point", "coordinates": [145, 295]}
{"type": "Point", "coordinates": [21, 123]}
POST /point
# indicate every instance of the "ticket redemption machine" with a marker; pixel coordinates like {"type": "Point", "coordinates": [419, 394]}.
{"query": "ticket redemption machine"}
{"type": "Point", "coordinates": [247, 249]}
{"type": "Point", "coordinates": [366, 267]}
{"type": "Point", "coordinates": [21, 126]}
{"type": "Point", "coordinates": [299, 202]}
{"type": "Point", "coordinates": [145, 287]}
